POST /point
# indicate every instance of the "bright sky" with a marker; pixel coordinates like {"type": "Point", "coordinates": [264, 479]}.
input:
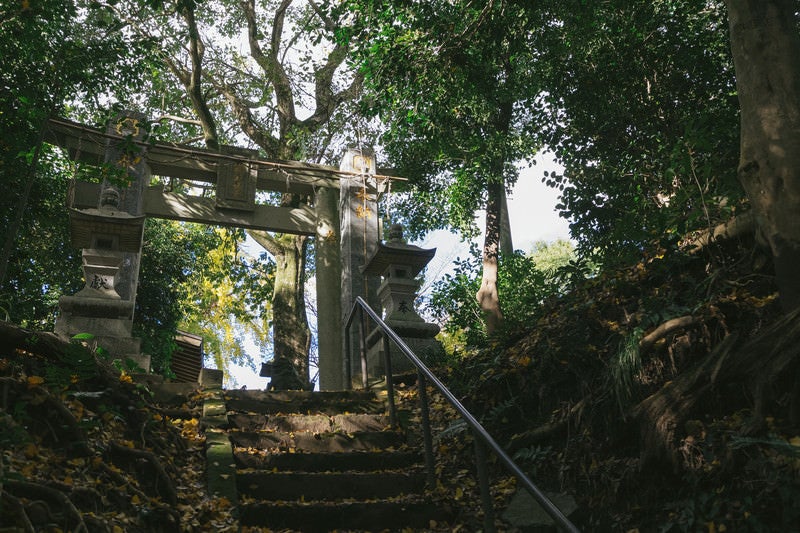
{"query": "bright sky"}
{"type": "Point", "coordinates": [533, 217]}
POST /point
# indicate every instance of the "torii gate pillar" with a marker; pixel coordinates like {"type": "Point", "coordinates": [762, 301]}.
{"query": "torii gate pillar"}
{"type": "Point", "coordinates": [328, 279]}
{"type": "Point", "coordinates": [358, 210]}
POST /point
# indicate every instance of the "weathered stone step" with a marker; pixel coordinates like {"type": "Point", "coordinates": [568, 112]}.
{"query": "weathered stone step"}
{"type": "Point", "coordinates": [310, 423]}
{"type": "Point", "coordinates": [325, 462]}
{"type": "Point", "coordinates": [303, 402]}
{"type": "Point", "coordinates": [310, 486]}
{"type": "Point", "coordinates": [316, 517]}
{"type": "Point", "coordinates": [317, 442]}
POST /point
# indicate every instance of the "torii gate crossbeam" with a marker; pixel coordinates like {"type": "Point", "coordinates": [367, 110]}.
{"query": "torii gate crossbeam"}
{"type": "Point", "coordinates": [237, 175]}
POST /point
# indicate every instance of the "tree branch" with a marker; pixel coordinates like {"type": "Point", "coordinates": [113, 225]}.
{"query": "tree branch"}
{"type": "Point", "coordinates": [269, 63]}
{"type": "Point", "coordinates": [270, 243]}
{"type": "Point", "coordinates": [194, 85]}
{"type": "Point", "coordinates": [248, 124]}
{"type": "Point", "coordinates": [738, 226]}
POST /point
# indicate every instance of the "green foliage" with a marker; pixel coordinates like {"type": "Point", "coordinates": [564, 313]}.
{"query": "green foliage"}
{"type": "Point", "coordinates": [551, 256]}
{"type": "Point", "coordinates": [533, 457]}
{"type": "Point", "coordinates": [76, 363]}
{"type": "Point", "coordinates": [191, 276]}
{"type": "Point", "coordinates": [522, 283]}
{"type": "Point", "coordinates": [227, 300]}
{"type": "Point", "coordinates": [641, 111]}
{"type": "Point", "coordinates": [454, 84]}
{"type": "Point", "coordinates": [42, 264]}
{"type": "Point", "coordinates": [624, 368]}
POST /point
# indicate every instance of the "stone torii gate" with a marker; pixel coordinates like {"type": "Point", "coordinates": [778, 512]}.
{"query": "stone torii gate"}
{"type": "Point", "coordinates": [107, 222]}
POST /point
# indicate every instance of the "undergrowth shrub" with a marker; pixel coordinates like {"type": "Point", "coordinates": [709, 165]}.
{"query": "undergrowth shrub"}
{"type": "Point", "coordinates": [523, 286]}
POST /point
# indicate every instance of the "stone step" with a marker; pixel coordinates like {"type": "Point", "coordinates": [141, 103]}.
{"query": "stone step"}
{"type": "Point", "coordinates": [322, 461]}
{"type": "Point", "coordinates": [317, 517]}
{"type": "Point", "coordinates": [319, 423]}
{"type": "Point", "coordinates": [327, 462]}
{"type": "Point", "coordinates": [303, 402]}
{"type": "Point", "coordinates": [317, 442]}
{"type": "Point", "coordinates": [331, 486]}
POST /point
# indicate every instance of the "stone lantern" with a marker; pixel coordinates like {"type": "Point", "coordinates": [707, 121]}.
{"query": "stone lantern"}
{"type": "Point", "coordinates": [399, 264]}
{"type": "Point", "coordinates": [106, 234]}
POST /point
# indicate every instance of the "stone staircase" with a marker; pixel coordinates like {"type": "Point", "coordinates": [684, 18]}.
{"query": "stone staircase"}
{"type": "Point", "coordinates": [315, 461]}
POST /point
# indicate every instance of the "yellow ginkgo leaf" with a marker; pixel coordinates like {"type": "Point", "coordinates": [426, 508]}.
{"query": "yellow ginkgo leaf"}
{"type": "Point", "coordinates": [30, 451]}
{"type": "Point", "coordinates": [35, 381]}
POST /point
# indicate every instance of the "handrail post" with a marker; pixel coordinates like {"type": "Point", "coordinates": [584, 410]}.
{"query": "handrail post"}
{"type": "Point", "coordinates": [363, 328]}
{"type": "Point", "coordinates": [348, 348]}
{"type": "Point", "coordinates": [389, 382]}
{"type": "Point", "coordinates": [483, 483]}
{"type": "Point", "coordinates": [427, 438]}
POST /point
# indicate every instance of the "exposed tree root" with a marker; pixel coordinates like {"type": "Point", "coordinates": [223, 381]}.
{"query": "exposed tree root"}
{"type": "Point", "coordinates": [120, 481]}
{"type": "Point", "coordinates": [546, 431]}
{"type": "Point", "coordinates": [44, 408]}
{"type": "Point", "coordinates": [20, 516]}
{"type": "Point", "coordinates": [665, 329]}
{"type": "Point", "coordinates": [34, 491]}
{"type": "Point", "coordinates": [14, 339]}
{"type": "Point", "coordinates": [737, 227]}
{"type": "Point", "coordinates": [757, 364]}
{"type": "Point", "coordinates": [163, 485]}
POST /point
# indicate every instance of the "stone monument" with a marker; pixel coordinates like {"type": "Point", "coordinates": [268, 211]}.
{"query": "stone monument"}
{"type": "Point", "coordinates": [399, 264]}
{"type": "Point", "coordinates": [111, 238]}
{"type": "Point", "coordinates": [106, 234]}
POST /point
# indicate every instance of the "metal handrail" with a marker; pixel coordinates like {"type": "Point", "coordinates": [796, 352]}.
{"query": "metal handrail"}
{"type": "Point", "coordinates": [483, 439]}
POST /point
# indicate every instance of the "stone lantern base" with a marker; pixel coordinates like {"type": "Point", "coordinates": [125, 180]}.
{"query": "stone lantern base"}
{"type": "Point", "coordinates": [418, 335]}
{"type": "Point", "coordinates": [99, 310]}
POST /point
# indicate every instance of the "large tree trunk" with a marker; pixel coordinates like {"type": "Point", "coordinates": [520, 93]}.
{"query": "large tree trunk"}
{"type": "Point", "coordinates": [488, 295]}
{"type": "Point", "coordinates": [498, 229]}
{"type": "Point", "coordinates": [290, 331]}
{"type": "Point", "coordinates": [290, 325]}
{"type": "Point", "coordinates": [766, 53]}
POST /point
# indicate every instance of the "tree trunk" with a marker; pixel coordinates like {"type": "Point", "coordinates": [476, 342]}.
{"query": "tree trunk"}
{"type": "Point", "coordinates": [290, 325]}
{"type": "Point", "coordinates": [488, 296]}
{"type": "Point", "coordinates": [766, 48]}
{"type": "Point", "coordinates": [506, 242]}
{"type": "Point", "coordinates": [22, 204]}
{"type": "Point", "coordinates": [290, 331]}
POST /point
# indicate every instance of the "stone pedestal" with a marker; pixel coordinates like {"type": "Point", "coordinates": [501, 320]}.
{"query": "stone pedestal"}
{"type": "Point", "coordinates": [99, 310]}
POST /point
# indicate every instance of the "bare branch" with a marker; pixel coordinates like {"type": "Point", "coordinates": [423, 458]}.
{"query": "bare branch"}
{"type": "Point", "coordinates": [269, 63]}
{"type": "Point", "coordinates": [180, 120]}
{"type": "Point", "coordinates": [325, 99]}
{"type": "Point", "coordinates": [248, 124]}
{"type": "Point", "coordinates": [267, 241]}
{"type": "Point", "coordinates": [330, 25]}
{"type": "Point", "coordinates": [665, 329]}
{"type": "Point", "coordinates": [194, 87]}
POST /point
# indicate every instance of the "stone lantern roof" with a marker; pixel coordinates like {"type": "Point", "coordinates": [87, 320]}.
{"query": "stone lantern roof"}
{"type": "Point", "coordinates": [106, 227]}
{"type": "Point", "coordinates": [395, 251]}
